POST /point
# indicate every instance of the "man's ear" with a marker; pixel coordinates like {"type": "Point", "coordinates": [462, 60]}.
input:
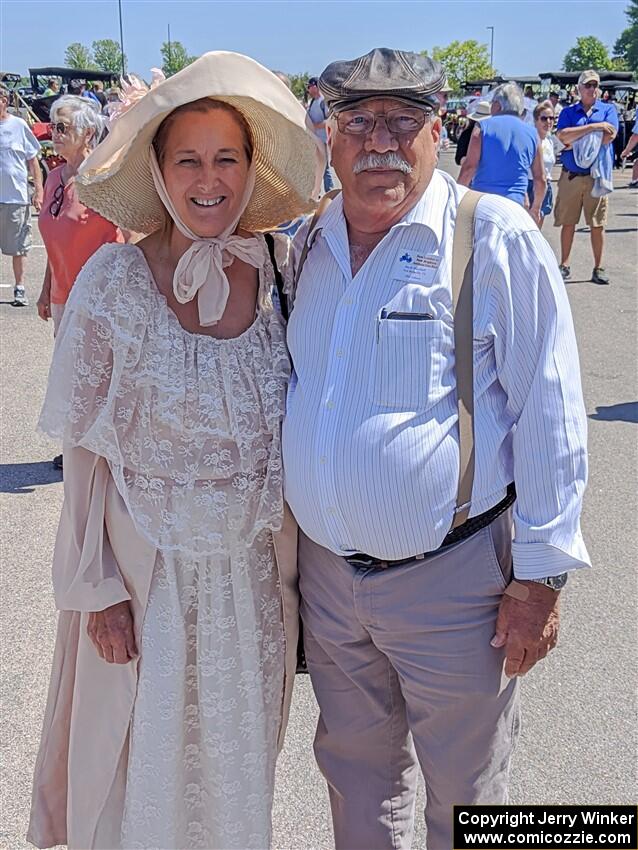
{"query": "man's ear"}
{"type": "Point", "coordinates": [435, 129]}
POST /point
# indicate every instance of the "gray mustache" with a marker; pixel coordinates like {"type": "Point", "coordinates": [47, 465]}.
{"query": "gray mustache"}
{"type": "Point", "coordinates": [382, 160]}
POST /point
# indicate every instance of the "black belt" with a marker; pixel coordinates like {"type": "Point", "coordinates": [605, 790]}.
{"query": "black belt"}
{"type": "Point", "coordinates": [572, 174]}
{"type": "Point", "coordinates": [469, 527]}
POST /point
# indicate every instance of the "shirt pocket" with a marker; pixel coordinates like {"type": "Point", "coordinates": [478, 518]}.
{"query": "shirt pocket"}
{"type": "Point", "coordinates": [408, 361]}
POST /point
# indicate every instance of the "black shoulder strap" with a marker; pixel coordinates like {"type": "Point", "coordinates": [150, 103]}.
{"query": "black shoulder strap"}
{"type": "Point", "coordinates": [279, 281]}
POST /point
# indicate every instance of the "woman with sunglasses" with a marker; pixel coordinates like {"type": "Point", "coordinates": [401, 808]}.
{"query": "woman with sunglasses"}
{"type": "Point", "coordinates": [71, 232]}
{"type": "Point", "coordinates": [544, 120]}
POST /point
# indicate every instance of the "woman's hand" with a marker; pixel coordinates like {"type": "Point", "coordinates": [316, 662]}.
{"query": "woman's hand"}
{"type": "Point", "coordinates": [44, 304]}
{"type": "Point", "coordinates": [112, 633]}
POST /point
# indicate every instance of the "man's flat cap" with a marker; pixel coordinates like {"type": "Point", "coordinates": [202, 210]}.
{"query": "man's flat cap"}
{"type": "Point", "coordinates": [382, 73]}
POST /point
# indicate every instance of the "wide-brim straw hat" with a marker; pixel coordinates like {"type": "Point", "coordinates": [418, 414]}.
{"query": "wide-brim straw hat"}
{"type": "Point", "coordinates": [116, 181]}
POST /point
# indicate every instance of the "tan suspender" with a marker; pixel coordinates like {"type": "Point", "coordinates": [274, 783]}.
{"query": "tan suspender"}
{"type": "Point", "coordinates": [463, 312]}
{"type": "Point", "coordinates": [323, 206]}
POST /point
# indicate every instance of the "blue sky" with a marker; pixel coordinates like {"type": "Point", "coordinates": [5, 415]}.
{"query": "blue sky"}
{"type": "Point", "coordinates": [300, 35]}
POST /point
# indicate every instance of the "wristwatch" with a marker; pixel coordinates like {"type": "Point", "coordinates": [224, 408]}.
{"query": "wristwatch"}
{"type": "Point", "coordinates": [553, 582]}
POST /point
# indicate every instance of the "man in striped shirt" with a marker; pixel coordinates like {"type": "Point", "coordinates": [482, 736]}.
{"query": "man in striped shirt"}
{"type": "Point", "coordinates": [411, 628]}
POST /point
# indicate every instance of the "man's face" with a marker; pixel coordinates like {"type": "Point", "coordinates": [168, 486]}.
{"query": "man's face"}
{"type": "Point", "coordinates": [587, 92]}
{"type": "Point", "coordinates": [381, 170]}
{"type": "Point", "coordinates": [313, 90]}
{"type": "Point", "coordinates": [4, 103]}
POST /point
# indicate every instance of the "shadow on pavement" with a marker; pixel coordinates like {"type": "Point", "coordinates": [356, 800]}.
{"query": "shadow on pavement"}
{"type": "Point", "coordinates": [25, 477]}
{"type": "Point", "coordinates": [609, 230]}
{"type": "Point", "coordinates": [626, 411]}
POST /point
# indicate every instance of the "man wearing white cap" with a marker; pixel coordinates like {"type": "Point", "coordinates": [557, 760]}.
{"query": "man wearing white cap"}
{"type": "Point", "coordinates": [588, 115]}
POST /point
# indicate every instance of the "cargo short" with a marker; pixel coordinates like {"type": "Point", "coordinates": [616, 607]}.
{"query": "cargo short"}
{"type": "Point", "coordinates": [574, 196]}
{"type": "Point", "coordinates": [15, 229]}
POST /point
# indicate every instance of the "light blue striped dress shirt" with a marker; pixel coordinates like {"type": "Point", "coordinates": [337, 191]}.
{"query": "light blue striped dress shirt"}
{"type": "Point", "coordinates": [370, 439]}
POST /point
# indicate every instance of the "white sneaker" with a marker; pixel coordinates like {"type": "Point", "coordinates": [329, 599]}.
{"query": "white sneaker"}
{"type": "Point", "coordinates": [20, 297]}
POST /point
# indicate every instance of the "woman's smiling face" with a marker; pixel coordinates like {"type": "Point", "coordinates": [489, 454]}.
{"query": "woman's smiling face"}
{"type": "Point", "coordinates": [205, 164]}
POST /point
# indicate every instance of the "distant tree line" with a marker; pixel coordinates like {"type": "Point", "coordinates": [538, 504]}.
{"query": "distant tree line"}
{"type": "Point", "coordinates": [463, 60]}
{"type": "Point", "coordinates": [105, 54]}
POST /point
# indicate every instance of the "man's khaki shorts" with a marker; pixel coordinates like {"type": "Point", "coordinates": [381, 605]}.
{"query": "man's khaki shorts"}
{"type": "Point", "coordinates": [574, 196]}
{"type": "Point", "coordinates": [15, 229]}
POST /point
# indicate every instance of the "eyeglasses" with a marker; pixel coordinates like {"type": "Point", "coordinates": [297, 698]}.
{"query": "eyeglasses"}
{"type": "Point", "coordinates": [547, 118]}
{"type": "Point", "coordinates": [592, 85]}
{"type": "Point", "coordinates": [400, 121]}
{"type": "Point", "coordinates": [61, 128]}
{"type": "Point", "coordinates": [58, 200]}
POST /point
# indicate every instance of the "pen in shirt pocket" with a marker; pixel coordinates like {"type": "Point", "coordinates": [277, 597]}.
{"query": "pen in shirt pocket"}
{"type": "Point", "coordinates": [401, 316]}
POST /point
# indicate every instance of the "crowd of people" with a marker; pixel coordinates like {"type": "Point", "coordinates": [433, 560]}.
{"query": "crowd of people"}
{"type": "Point", "coordinates": [359, 425]}
{"type": "Point", "coordinates": [500, 152]}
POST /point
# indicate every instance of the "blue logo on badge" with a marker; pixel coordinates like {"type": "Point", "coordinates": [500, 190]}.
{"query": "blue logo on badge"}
{"type": "Point", "coordinates": [406, 258]}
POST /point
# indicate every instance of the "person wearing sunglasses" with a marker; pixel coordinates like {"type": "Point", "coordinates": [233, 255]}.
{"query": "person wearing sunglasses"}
{"type": "Point", "coordinates": [588, 115]}
{"type": "Point", "coordinates": [71, 232]}
{"type": "Point", "coordinates": [544, 121]}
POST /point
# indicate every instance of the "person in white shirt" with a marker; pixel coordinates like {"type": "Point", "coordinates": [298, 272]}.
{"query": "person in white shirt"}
{"type": "Point", "coordinates": [408, 626]}
{"type": "Point", "coordinates": [19, 150]}
{"type": "Point", "coordinates": [544, 120]}
{"type": "Point", "coordinates": [554, 99]}
{"type": "Point", "coordinates": [530, 103]}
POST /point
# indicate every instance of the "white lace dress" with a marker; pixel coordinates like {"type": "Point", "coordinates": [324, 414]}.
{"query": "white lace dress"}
{"type": "Point", "coordinates": [190, 427]}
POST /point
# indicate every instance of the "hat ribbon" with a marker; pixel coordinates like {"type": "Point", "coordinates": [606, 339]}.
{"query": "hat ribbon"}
{"type": "Point", "coordinates": [200, 270]}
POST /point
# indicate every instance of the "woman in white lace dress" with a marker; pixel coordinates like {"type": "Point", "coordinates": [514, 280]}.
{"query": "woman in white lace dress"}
{"type": "Point", "coordinates": [174, 566]}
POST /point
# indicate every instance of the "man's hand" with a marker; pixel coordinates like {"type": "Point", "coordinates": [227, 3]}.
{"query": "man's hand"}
{"type": "Point", "coordinates": [112, 634]}
{"type": "Point", "coordinates": [37, 199]}
{"type": "Point", "coordinates": [527, 629]}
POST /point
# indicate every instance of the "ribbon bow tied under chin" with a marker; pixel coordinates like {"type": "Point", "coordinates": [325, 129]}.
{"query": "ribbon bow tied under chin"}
{"type": "Point", "coordinates": [200, 271]}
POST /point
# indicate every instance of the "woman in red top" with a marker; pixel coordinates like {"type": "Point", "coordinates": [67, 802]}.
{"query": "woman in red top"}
{"type": "Point", "coordinates": [71, 232]}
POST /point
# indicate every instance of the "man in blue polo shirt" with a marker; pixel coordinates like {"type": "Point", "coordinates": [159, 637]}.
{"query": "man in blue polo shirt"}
{"type": "Point", "coordinates": [588, 115]}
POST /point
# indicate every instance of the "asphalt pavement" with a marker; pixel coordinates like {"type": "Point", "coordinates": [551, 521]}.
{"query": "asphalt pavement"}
{"type": "Point", "coordinates": [579, 738]}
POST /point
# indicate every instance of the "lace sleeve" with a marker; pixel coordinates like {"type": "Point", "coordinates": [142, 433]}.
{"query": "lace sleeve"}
{"type": "Point", "coordinates": [98, 337]}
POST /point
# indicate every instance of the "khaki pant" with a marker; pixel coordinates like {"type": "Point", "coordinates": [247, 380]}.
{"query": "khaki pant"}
{"type": "Point", "coordinates": [574, 197]}
{"type": "Point", "coordinates": [405, 676]}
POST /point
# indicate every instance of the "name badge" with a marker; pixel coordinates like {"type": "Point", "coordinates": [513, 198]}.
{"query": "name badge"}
{"type": "Point", "coordinates": [413, 267]}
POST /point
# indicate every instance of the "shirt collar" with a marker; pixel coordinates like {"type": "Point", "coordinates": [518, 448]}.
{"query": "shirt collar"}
{"type": "Point", "coordinates": [428, 211]}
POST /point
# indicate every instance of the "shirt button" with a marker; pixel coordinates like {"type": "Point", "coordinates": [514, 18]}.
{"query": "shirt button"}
{"type": "Point", "coordinates": [347, 301]}
{"type": "Point", "coordinates": [323, 459]}
{"type": "Point", "coordinates": [330, 405]}
{"type": "Point", "coordinates": [340, 352]}
{"type": "Point", "coordinates": [332, 511]}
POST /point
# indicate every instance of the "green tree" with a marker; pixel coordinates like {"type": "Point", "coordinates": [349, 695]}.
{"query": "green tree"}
{"type": "Point", "coordinates": [79, 56]}
{"type": "Point", "coordinates": [588, 52]}
{"type": "Point", "coordinates": [174, 57]}
{"type": "Point", "coordinates": [108, 55]}
{"type": "Point", "coordinates": [299, 85]}
{"type": "Point", "coordinates": [626, 46]}
{"type": "Point", "coordinates": [463, 60]}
